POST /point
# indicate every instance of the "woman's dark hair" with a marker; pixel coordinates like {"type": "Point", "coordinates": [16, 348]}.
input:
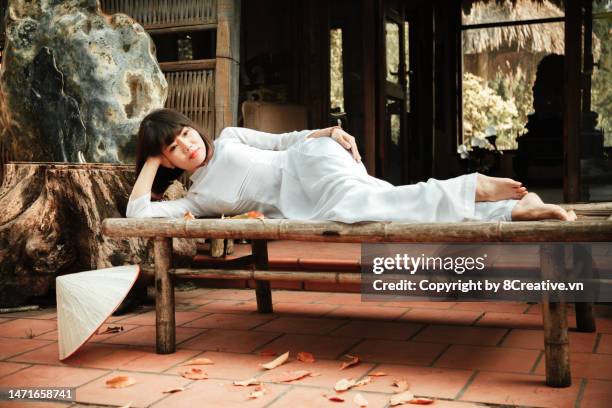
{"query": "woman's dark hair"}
{"type": "Point", "coordinates": [157, 130]}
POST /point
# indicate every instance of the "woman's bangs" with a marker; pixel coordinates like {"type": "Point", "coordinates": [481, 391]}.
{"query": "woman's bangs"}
{"type": "Point", "coordinates": [169, 132]}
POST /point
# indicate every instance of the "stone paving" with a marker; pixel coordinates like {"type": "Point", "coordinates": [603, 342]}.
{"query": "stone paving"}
{"type": "Point", "coordinates": [460, 354]}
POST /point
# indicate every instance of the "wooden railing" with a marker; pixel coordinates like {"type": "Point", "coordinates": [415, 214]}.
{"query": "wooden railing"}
{"type": "Point", "coordinates": [193, 94]}
{"type": "Point", "coordinates": [160, 14]}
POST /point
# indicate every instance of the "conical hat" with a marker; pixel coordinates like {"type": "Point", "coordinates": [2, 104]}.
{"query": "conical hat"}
{"type": "Point", "coordinates": [85, 300]}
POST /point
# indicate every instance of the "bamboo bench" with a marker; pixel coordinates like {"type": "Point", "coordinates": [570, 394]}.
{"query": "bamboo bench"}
{"type": "Point", "coordinates": [594, 225]}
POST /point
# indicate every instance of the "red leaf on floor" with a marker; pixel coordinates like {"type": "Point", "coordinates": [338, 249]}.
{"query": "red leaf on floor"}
{"type": "Point", "coordinates": [276, 362]}
{"type": "Point", "coordinates": [293, 376]}
{"type": "Point", "coordinates": [199, 361]}
{"type": "Point", "coordinates": [305, 357]}
{"type": "Point", "coordinates": [421, 401]}
{"type": "Point", "coordinates": [360, 400]}
{"type": "Point", "coordinates": [351, 362]}
{"type": "Point", "coordinates": [268, 353]}
{"type": "Point", "coordinates": [247, 383]}
{"type": "Point", "coordinates": [401, 398]}
{"type": "Point", "coordinates": [402, 385]}
{"type": "Point", "coordinates": [344, 384]}
{"type": "Point", "coordinates": [378, 374]}
{"type": "Point", "coordinates": [260, 391]}
{"type": "Point", "coordinates": [173, 390]}
{"type": "Point", "coordinates": [120, 381]}
{"type": "Point", "coordinates": [194, 374]}
{"type": "Point", "coordinates": [334, 398]}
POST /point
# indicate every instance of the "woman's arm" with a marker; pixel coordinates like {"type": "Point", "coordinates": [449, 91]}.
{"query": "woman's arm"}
{"type": "Point", "coordinates": [271, 141]}
{"type": "Point", "coordinates": [140, 205]}
{"type": "Point", "coordinates": [144, 182]}
{"type": "Point", "coordinates": [263, 140]}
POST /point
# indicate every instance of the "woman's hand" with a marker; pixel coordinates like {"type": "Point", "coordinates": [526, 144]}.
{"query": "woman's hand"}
{"type": "Point", "coordinates": [339, 135]}
{"type": "Point", "coordinates": [347, 141]}
{"type": "Point", "coordinates": [161, 160]}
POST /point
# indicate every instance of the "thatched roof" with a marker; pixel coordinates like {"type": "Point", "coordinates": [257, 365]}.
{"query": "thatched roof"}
{"type": "Point", "coordinates": [547, 38]}
{"type": "Point", "coordinates": [467, 4]}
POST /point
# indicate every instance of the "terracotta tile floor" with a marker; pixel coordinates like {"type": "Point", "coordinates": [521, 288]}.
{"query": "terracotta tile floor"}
{"type": "Point", "coordinates": [462, 355]}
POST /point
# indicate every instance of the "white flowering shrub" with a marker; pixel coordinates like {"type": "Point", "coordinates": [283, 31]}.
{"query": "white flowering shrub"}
{"type": "Point", "coordinates": [485, 113]}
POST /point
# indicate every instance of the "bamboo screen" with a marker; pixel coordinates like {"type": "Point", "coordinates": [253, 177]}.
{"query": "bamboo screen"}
{"type": "Point", "coordinates": [165, 13]}
{"type": "Point", "coordinates": [192, 93]}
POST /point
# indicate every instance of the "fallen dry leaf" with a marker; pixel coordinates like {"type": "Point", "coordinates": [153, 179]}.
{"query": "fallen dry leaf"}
{"type": "Point", "coordinates": [305, 357]}
{"type": "Point", "coordinates": [247, 383]}
{"type": "Point", "coordinates": [421, 401]}
{"type": "Point", "coordinates": [248, 215]}
{"type": "Point", "coordinates": [276, 362]}
{"type": "Point", "coordinates": [268, 353]}
{"type": "Point", "coordinates": [360, 400]}
{"type": "Point", "coordinates": [365, 381]}
{"type": "Point", "coordinates": [194, 374]}
{"type": "Point", "coordinates": [401, 398]}
{"type": "Point", "coordinates": [173, 390]}
{"type": "Point", "coordinates": [112, 329]}
{"type": "Point", "coordinates": [260, 391]}
{"type": "Point", "coordinates": [378, 374]}
{"type": "Point", "coordinates": [120, 381]}
{"type": "Point", "coordinates": [293, 376]}
{"type": "Point", "coordinates": [188, 215]}
{"type": "Point", "coordinates": [199, 361]}
{"type": "Point", "coordinates": [344, 384]}
{"type": "Point", "coordinates": [352, 361]}
{"type": "Point", "coordinates": [334, 398]}
{"type": "Point", "coordinates": [402, 385]}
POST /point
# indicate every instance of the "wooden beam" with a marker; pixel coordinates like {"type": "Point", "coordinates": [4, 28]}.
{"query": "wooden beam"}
{"type": "Point", "coordinates": [228, 63]}
{"type": "Point", "coordinates": [171, 29]}
{"type": "Point", "coordinates": [327, 231]}
{"type": "Point", "coordinates": [573, 110]}
{"type": "Point", "coordinates": [290, 276]}
{"type": "Point", "coordinates": [191, 65]}
{"type": "Point", "coordinates": [369, 84]}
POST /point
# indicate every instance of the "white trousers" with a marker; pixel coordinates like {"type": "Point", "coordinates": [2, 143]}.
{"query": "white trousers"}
{"type": "Point", "coordinates": [341, 190]}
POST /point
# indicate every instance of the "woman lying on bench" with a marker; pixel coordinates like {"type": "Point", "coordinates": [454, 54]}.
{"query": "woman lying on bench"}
{"type": "Point", "coordinates": [306, 175]}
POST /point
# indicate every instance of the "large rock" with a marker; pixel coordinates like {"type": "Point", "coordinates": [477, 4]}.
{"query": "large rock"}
{"type": "Point", "coordinates": [77, 80]}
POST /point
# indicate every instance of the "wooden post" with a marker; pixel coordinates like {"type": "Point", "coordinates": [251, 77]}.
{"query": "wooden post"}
{"type": "Point", "coordinates": [227, 63]}
{"type": "Point", "coordinates": [262, 291]}
{"type": "Point", "coordinates": [369, 84]}
{"type": "Point", "coordinates": [583, 264]}
{"type": "Point", "coordinates": [164, 297]}
{"type": "Point", "coordinates": [573, 109]}
{"type": "Point", "coordinates": [554, 314]}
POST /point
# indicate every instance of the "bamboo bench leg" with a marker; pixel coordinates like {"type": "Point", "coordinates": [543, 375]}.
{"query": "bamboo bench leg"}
{"type": "Point", "coordinates": [583, 264]}
{"type": "Point", "coordinates": [585, 317]}
{"type": "Point", "coordinates": [554, 314]}
{"type": "Point", "coordinates": [262, 290]}
{"type": "Point", "coordinates": [164, 297]}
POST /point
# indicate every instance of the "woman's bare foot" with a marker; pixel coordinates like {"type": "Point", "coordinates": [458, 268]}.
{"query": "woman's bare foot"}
{"type": "Point", "coordinates": [532, 208]}
{"type": "Point", "coordinates": [495, 188]}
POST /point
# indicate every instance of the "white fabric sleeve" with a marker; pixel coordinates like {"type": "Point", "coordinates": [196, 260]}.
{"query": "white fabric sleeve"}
{"type": "Point", "coordinates": [143, 207]}
{"type": "Point", "coordinates": [263, 140]}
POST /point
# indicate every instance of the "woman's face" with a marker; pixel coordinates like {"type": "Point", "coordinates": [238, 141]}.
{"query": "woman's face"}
{"type": "Point", "coordinates": [188, 150]}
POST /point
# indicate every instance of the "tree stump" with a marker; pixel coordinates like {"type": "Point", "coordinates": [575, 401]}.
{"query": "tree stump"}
{"type": "Point", "coordinates": [50, 224]}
